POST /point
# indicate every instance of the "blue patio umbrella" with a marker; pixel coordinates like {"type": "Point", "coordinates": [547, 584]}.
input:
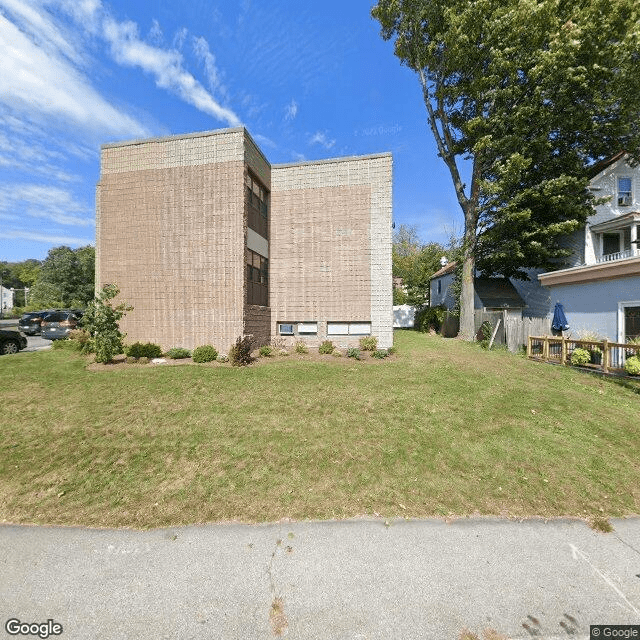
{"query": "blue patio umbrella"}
{"type": "Point", "coordinates": [559, 319]}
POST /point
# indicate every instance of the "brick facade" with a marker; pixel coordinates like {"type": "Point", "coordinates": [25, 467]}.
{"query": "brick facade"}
{"type": "Point", "coordinates": [173, 233]}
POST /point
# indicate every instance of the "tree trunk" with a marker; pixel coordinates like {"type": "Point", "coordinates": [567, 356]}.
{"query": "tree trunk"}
{"type": "Point", "coordinates": [467, 296]}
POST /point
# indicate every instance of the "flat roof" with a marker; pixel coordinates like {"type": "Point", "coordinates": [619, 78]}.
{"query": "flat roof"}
{"type": "Point", "coordinates": [386, 154]}
{"type": "Point", "coordinates": [177, 136]}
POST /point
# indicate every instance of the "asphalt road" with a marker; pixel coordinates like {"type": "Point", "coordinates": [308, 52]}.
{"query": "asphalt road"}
{"type": "Point", "coordinates": [356, 580]}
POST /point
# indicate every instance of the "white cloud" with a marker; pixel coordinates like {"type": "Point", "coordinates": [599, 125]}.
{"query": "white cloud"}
{"type": "Point", "coordinates": [291, 110]}
{"type": "Point", "coordinates": [165, 65]}
{"type": "Point", "coordinates": [45, 202]}
{"type": "Point", "coordinates": [179, 38]}
{"type": "Point", "coordinates": [20, 234]}
{"type": "Point", "coordinates": [155, 33]}
{"type": "Point", "coordinates": [321, 138]}
{"type": "Point", "coordinates": [264, 141]}
{"type": "Point", "coordinates": [203, 53]}
{"type": "Point", "coordinates": [45, 86]}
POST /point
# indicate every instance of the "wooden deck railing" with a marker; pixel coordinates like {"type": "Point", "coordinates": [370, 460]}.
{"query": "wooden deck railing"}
{"type": "Point", "coordinates": [605, 356]}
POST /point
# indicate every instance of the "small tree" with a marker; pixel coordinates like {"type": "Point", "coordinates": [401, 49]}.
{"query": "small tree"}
{"type": "Point", "coordinates": [101, 321]}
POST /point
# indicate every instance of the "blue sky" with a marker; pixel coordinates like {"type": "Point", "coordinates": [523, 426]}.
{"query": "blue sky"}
{"type": "Point", "coordinates": [308, 80]}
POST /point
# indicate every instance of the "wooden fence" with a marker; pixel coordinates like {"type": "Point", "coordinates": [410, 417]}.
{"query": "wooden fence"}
{"type": "Point", "coordinates": [513, 330]}
{"type": "Point", "coordinates": [608, 357]}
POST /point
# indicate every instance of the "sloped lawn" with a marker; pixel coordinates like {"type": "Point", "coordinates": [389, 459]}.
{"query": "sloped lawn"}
{"type": "Point", "coordinates": [443, 429]}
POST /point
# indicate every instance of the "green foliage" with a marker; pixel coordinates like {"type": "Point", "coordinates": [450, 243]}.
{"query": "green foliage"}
{"type": "Point", "coordinates": [177, 353]}
{"type": "Point", "coordinates": [266, 351]}
{"type": "Point", "coordinates": [283, 352]}
{"type": "Point", "coordinates": [65, 278]}
{"type": "Point", "coordinates": [144, 350]}
{"type": "Point", "coordinates": [429, 319]}
{"type": "Point", "coordinates": [380, 354]}
{"type": "Point", "coordinates": [632, 366]}
{"type": "Point", "coordinates": [392, 350]}
{"type": "Point", "coordinates": [240, 352]}
{"type": "Point", "coordinates": [301, 348]}
{"type": "Point", "coordinates": [523, 97]}
{"type": "Point", "coordinates": [223, 358]}
{"type": "Point", "coordinates": [415, 263]}
{"type": "Point", "coordinates": [369, 343]}
{"type": "Point", "coordinates": [142, 360]}
{"type": "Point", "coordinates": [326, 347]}
{"type": "Point", "coordinates": [67, 345]}
{"type": "Point", "coordinates": [354, 352]}
{"type": "Point", "coordinates": [101, 322]}
{"type": "Point", "coordinates": [336, 353]}
{"type": "Point", "coordinates": [580, 357]}
{"type": "Point", "coordinates": [205, 353]}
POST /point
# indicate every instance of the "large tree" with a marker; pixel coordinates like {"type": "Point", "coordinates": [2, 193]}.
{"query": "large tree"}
{"type": "Point", "coordinates": [522, 96]}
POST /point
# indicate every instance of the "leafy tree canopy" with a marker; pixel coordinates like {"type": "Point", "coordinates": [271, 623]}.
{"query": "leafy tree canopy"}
{"type": "Point", "coordinates": [524, 96]}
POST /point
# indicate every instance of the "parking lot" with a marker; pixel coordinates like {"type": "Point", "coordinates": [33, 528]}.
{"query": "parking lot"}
{"type": "Point", "coordinates": [34, 343]}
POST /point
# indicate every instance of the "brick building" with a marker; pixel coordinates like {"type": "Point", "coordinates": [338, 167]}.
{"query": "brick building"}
{"type": "Point", "coordinates": [208, 241]}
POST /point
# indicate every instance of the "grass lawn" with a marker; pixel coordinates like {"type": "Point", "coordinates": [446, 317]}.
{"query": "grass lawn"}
{"type": "Point", "coordinates": [445, 429]}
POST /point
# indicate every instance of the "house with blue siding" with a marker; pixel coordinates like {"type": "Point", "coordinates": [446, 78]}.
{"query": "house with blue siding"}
{"type": "Point", "coordinates": [600, 287]}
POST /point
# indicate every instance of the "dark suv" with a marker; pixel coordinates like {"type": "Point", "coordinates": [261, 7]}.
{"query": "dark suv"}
{"type": "Point", "coordinates": [58, 324]}
{"type": "Point", "coordinates": [11, 341]}
{"type": "Point", "coordinates": [30, 322]}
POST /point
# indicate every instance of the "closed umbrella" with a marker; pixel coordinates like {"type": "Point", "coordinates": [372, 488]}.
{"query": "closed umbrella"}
{"type": "Point", "coordinates": [559, 319]}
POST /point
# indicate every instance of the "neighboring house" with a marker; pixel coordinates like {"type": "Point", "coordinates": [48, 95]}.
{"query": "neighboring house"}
{"type": "Point", "coordinates": [208, 241]}
{"type": "Point", "coordinates": [6, 298]}
{"type": "Point", "coordinates": [600, 290]}
{"type": "Point", "coordinates": [490, 294]}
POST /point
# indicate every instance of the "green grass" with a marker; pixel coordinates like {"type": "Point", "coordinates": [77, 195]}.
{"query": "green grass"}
{"type": "Point", "coordinates": [443, 429]}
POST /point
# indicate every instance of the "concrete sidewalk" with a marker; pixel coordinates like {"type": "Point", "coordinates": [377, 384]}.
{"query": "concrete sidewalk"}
{"type": "Point", "coordinates": [357, 579]}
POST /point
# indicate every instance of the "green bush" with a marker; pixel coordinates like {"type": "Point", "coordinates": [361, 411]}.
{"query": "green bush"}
{"type": "Point", "coordinates": [178, 352]}
{"type": "Point", "coordinates": [392, 350]}
{"type": "Point", "coordinates": [66, 345]}
{"type": "Point", "coordinates": [205, 353]}
{"type": "Point", "coordinates": [131, 360]}
{"type": "Point", "coordinates": [580, 357]}
{"type": "Point", "coordinates": [353, 352]}
{"type": "Point", "coordinates": [101, 322]}
{"type": "Point", "coordinates": [632, 366]}
{"type": "Point", "coordinates": [240, 352]}
{"type": "Point", "coordinates": [429, 319]}
{"type": "Point", "coordinates": [223, 358]}
{"type": "Point", "coordinates": [369, 343]}
{"type": "Point", "coordinates": [283, 352]}
{"type": "Point", "coordinates": [266, 351]}
{"type": "Point", "coordinates": [142, 360]}
{"type": "Point", "coordinates": [326, 347]}
{"type": "Point", "coordinates": [146, 350]}
{"type": "Point", "coordinates": [380, 354]}
{"type": "Point", "coordinates": [301, 348]}
{"type": "Point", "coordinates": [336, 353]}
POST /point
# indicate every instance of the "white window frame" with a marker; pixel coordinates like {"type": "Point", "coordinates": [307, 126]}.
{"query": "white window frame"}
{"type": "Point", "coordinates": [621, 308]}
{"type": "Point", "coordinates": [630, 192]}
{"type": "Point", "coordinates": [307, 328]}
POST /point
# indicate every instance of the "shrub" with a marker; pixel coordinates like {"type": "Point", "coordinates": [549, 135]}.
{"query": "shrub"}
{"type": "Point", "coordinates": [283, 352]}
{"type": "Point", "coordinates": [142, 360]}
{"type": "Point", "coordinates": [336, 353]}
{"type": "Point", "coordinates": [101, 322]}
{"type": "Point", "coordinates": [240, 352]}
{"type": "Point", "coordinates": [67, 345]}
{"type": "Point", "coordinates": [632, 352]}
{"type": "Point", "coordinates": [392, 350]}
{"type": "Point", "coordinates": [369, 343]}
{"type": "Point", "coordinates": [429, 319]}
{"type": "Point", "coordinates": [266, 351]}
{"type": "Point", "coordinates": [380, 354]}
{"type": "Point", "coordinates": [178, 352]}
{"type": "Point", "coordinates": [146, 350]}
{"type": "Point", "coordinates": [301, 347]}
{"type": "Point", "coordinates": [80, 337]}
{"type": "Point", "coordinates": [205, 353]}
{"type": "Point", "coordinates": [353, 352]}
{"type": "Point", "coordinates": [223, 357]}
{"type": "Point", "coordinates": [326, 347]}
{"type": "Point", "coordinates": [131, 360]}
{"type": "Point", "coordinates": [580, 357]}
{"type": "Point", "coordinates": [632, 366]}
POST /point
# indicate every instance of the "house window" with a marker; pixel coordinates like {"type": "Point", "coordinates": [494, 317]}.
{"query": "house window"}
{"type": "Point", "coordinates": [257, 205]}
{"type": "Point", "coordinates": [285, 329]}
{"type": "Point", "coordinates": [307, 327]}
{"type": "Point", "coordinates": [348, 328]}
{"type": "Point", "coordinates": [439, 287]}
{"type": "Point", "coordinates": [624, 191]}
{"type": "Point", "coordinates": [257, 270]}
{"type": "Point", "coordinates": [631, 323]}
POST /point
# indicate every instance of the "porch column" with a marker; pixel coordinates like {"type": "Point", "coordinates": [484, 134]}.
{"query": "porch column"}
{"type": "Point", "coordinates": [635, 249]}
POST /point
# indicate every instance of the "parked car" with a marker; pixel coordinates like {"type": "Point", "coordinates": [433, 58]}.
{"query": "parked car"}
{"type": "Point", "coordinates": [30, 322]}
{"type": "Point", "coordinates": [11, 341]}
{"type": "Point", "coordinates": [58, 325]}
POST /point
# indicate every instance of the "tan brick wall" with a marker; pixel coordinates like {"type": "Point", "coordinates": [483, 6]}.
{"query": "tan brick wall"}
{"type": "Point", "coordinates": [257, 323]}
{"type": "Point", "coordinates": [331, 246]}
{"type": "Point", "coordinates": [172, 239]}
